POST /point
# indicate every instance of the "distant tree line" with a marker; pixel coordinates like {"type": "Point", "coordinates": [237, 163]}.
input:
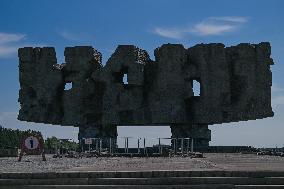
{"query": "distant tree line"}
{"type": "Point", "coordinates": [55, 143]}
{"type": "Point", "coordinates": [10, 138]}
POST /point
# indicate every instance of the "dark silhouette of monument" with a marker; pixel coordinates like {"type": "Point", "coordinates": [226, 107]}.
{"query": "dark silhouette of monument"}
{"type": "Point", "coordinates": [235, 85]}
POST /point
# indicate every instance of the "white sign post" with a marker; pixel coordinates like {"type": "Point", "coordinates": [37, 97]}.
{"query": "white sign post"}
{"type": "Point", "coordinates": [89, 142]}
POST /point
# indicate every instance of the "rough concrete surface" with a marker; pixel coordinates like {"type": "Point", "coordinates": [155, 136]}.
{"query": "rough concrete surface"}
{"type": "Point", "coordinates": [212, 162]}
{"type": "Point", "coordinates": [235, 85]}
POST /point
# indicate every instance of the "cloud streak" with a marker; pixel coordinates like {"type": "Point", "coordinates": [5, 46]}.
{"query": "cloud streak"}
{"type": "Point", "coordinates": [69, 36]}
{"type": "Point", "coordinates": [235, 19]}
{"type": "Point", "coordinates": [7, 51]}
{"type": "Point", "coordinates": [75, 36]}
{"type": "Point", "coordinates": [207, 27]}
{"type": "Point", "coordinates": [9, 43]}
{"type": "Point", "coordinates": [279, 100]}
{"type": "Point", "coordinates": [10, 37]}
{"type": "Point", "coordinates": [169, 32]}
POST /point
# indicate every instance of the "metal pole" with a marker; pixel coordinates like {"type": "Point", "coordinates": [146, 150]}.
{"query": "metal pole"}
{"type": "Point", "coordinates": [191, 145]}
{"type": "Point", "coordinates": [110, 150]}
{"type": "Point", "coordinates": [181, 146]}
{"type": "Point", "coordinates": [144, 146]}
{"type": "Point", "coordinates": [175, 145]}
{"type": "Point", "coordinates": [127, 144]}
{"type": "Point", "coordinates": [160, 146]}
{"type": "Point", "coordinates": [97, 144]}
{"type": "Point", "coordinates": [82, 143]}
{"type": "Point", "coordinates": [100, 145]}
{"type": "Point", "coordinates": [124, 145]}
{"type": "Point", "coordinates": [187, 145]}
{"type": "Point", "coordinates": [138, 144]}
{"type": "Point", "coordinates": [89, 148]}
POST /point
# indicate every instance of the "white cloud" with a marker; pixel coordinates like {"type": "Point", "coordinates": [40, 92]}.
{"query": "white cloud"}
{"type": "Point", "coordinates": [9, 43]}
{"type": "Point", "coordinates": [7, 51]}
{"type": "Point", "coordinates": [10, 37]}
{"type": "Point", "coordinates": [69, 36]}
{"type": "Point", "coordinates": [208, 26]}
{"type": "Point", "coordinates": [10, 50]}
{"type": "Point", "coordinates": [212, 29]}
{"type": "Point", "coordinates": [230, 19]}
{"type": "Point", "coordinates": [76, 36]}
{"type": "Point", "coordinates": [279, 100]}
{"type": "Point", "coordinates": [169, 32]}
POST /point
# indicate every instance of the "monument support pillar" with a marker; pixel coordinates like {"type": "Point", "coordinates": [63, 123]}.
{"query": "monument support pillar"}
{"type": "Point", "coordinates": [102, 133]}
{"type": "Point", "coordinates": [200, 134]}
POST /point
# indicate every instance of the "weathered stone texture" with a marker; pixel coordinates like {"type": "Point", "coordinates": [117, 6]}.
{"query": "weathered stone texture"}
{"type": "Point", "coordinates": [166, 97]}
{"type": "Point", "coordinates": [200, 133]}
{"type": "Point", "coordinates": [42, 86]}
{"type": "Point", "coordinates": [78, 101]}
{"type": "Point", "coordinates": [235, 85]}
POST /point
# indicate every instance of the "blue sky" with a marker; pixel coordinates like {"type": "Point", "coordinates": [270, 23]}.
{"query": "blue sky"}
{"type": "Point", "coordinates": [146, 24]}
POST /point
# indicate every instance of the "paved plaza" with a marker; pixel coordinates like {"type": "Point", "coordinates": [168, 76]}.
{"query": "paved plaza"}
{"type": "Point", "coordinates": [211, 162]}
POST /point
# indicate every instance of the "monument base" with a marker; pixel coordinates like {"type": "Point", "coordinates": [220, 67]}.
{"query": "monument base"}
{"type": "Point", "coordinates": [200, 134]}
{"type": "Point", "coordinates": [102, 136]}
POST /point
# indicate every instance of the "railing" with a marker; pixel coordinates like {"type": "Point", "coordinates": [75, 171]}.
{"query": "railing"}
{"type": "Point", "coordinates": [108, 146]}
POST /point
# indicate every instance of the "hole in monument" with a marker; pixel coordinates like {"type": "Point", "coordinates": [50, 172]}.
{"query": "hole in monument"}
{"type": "Point", "coordinates": [150, 133]}
{"type": "Point", "coordinates": [196, 87]}
{"type": "Point", "coordinates": [125, 80]}
{"type": "Point", "coordinates": [68, 86]}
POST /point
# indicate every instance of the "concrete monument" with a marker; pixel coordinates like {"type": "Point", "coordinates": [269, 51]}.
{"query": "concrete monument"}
{"type": "Point", "coordinates": [235, 85]}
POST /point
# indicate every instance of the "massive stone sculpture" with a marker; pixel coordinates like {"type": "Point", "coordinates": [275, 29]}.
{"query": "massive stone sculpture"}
{"type": "Point", "coordinates": [235, 85]}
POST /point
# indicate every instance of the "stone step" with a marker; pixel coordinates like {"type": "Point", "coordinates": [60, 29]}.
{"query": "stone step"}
{"type": "Point", "coordinates": [259, 187]}
{"type": "Point", "coordinates": [141, 174]}
{"type": "Point", "coordinates": [187, 180]}
{"type": "Point", "coordinates": [203, 186]}
{"type": "Point", "coordinates": [147, 181]}
{"type": "Point", "coordinates": [59, 181]}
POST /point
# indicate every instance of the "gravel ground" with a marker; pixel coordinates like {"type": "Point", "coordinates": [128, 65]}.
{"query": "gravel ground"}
{"type": "Point", "coordinates": [246, 162]}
